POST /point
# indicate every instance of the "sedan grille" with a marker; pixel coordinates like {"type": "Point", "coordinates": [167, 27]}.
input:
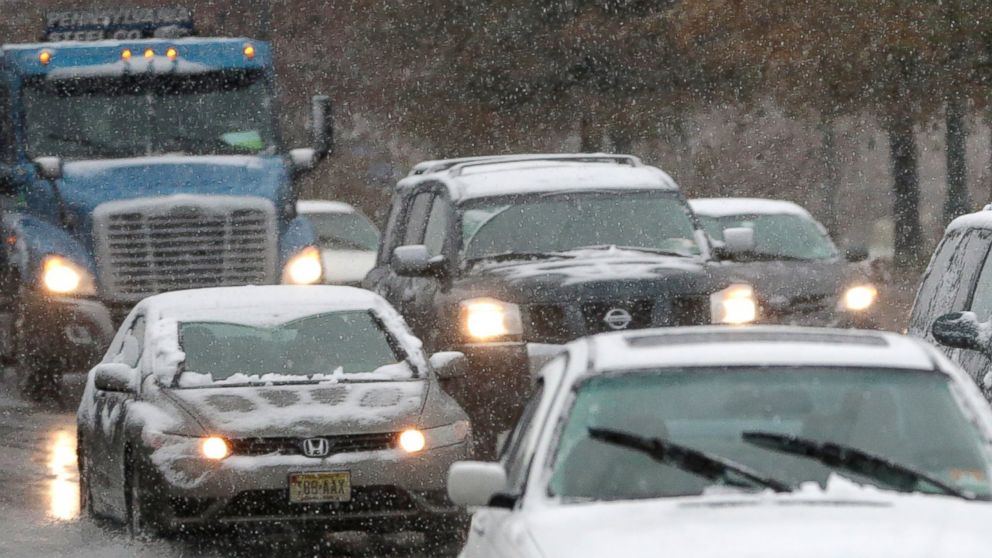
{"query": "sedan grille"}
{"type": "Point", "coordinates": [149, 246]}
{"type": "Point", "coordinates": [294, 446]}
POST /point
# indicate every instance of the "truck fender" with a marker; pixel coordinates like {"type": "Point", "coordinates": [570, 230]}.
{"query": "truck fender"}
{"type": "Point", "coordinates": [34, 239]}
{"type": "Point", "coordinates": [296, 235]}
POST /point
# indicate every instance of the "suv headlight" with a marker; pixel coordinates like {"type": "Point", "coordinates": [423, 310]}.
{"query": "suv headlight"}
{"type": "Point", "coordinates": [734, 305]}
{"type": "Point", "coordinates": [859, 298]}
{"type": "Point", "coordinates": [62, 276]}
{"type": "Point", "coordinates": [305, 268]}
{"type": "Point", "coordinates": [489, 319]}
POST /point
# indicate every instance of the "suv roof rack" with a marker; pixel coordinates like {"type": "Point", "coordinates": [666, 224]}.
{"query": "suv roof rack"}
{"type": "Point", "coordinates": [456, 166]}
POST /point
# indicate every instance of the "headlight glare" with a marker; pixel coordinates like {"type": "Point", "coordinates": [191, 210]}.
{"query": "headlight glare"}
{"type": "Point", "coordinates": [214, 448]}
{"type": "Point", "coordinates": [305, 268]}
{"type": "Point", "coordinates": [734, 305]}
{"type": "Point", "coordinates": [859, 297]}
{"type": "Point", "coordinates": [485, 319]}
{"type": "Point", "coordinates": [60, 275]}
{"type": "Point", "coordinates": [412, 441]}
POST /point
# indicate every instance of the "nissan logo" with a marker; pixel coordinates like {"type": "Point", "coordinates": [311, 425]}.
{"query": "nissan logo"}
{"type": "Point", "coordinates": [618, 318]}
{"type": "Point", "coordinates": [316, 447]}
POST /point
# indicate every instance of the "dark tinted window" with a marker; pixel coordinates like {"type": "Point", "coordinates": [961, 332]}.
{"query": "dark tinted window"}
{"type": "Point", "coordinates": [437, 226]}
{"type": "Point", "coordinates": [416, 218]}
{"type": "Point", "coordinates": [6, 126]}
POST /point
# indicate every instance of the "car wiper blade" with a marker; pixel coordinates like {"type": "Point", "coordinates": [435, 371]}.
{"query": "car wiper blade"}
{"type": "Point", "coordinates": [691, 460]}
{"type": "Point", "coordinates": [505, 256]}
{"type": "Point", "coordinates": [852, 460]}
{"type": "Point", "coordinates": [661, 251]}
{"type": "Point", "coordinates": [766, 257]}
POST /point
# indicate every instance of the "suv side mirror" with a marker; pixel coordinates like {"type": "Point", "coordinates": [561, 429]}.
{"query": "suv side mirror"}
{"type": "Point", "coordinates": [476, 483]}
{"type": "Point", "coordinates": [415, 261]}
{"type": "Point", "coordinates": [961, 330]}
{"type": "Point", "coordinates": [738, 240]}
{"type": "Point", "coordinates": [50, 168]}
{"type": "Point", "coordinates": [322, 116]}
{"type": "Point", "coordinates": [114, 376]}
{"type": "Point", "coordinates": [856, 254]}
{"type": "Point", "coordinates": [449, 364]}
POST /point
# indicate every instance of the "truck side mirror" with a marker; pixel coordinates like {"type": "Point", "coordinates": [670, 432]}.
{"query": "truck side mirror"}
{"type": "Point", "coordinates": [961, 330]}
{"type": "Point", "coordinates": [322, 115]}
{"type": "Point", "coordinates": [449, 365]}
{"type": "Point", "coordinates": [302, 159]}
{"type": "Point", "coordinates": [415, 260]}
{"type": "Point", "coordinates": [50, 168]}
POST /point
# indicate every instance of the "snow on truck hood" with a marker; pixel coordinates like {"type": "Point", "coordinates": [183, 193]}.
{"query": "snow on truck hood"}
{"type": "Point", "coordinates": [844, 520]}
{"type": "Point", "coordinates": [325, 409]}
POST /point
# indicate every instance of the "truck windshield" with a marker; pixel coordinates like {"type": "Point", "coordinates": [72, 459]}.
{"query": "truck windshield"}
{"type": "Point", "coordinates": [219, 113]}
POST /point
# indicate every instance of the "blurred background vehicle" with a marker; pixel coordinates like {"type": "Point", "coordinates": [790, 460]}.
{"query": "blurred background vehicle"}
{"type": "Point", "coordinates": [310, 409]}
{"type": "Point", "coordinates": [347, 239]}
{"type": "Point", "coordinates": [799, 275]}
{"type": "Point", "coordinates": [788, 441]}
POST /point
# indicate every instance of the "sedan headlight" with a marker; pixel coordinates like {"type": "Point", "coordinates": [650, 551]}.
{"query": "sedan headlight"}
{"type": "Point", "coordinates": [488, 319]}
{"type": "Point", "coordinates": [304, 268]}
{"type": "Point", "coordinates": [734, 305]}
{"type": "Point", "coordinates": [859, 298]}
{"type": "Point", "coordinates": [413, 440]}
{"type": "Point", "coordinates": [62, 276]}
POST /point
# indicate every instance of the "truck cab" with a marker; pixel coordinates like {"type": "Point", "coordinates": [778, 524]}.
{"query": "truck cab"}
{"type": "Point", "coordinates": [134, 166]}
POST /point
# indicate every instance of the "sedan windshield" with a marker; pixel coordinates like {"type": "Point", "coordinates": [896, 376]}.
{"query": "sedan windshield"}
{"type": "Point", "coordinates": [221, 113]}
{"type": "Point", "coordinates": [773, 423]}
{"type": "Point", "coordinates": [656, 221]}
{"type": "Point", "coordinates": [783, 236]}
{"type": "Point", "coordinates": [334, 346]}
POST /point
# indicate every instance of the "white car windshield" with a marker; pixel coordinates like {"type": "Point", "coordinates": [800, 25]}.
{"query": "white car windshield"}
{"type": "Point", "coordinates": [334, 346]}
{"type": "Point", "coordinates": [654, 221]}
{"type": "Point", "coordinates": [764, 419]}
{"type": "Point", "coordinates": [777, 236]}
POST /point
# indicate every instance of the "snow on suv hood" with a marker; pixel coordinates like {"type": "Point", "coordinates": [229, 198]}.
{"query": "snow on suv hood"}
{"type": "Point", "coordinates": [300, 410]}
{"type": "Point", "coordinates": [863, 523]}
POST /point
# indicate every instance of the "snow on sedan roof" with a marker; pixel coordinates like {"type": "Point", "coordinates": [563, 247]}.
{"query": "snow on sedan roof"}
{"type": "Point", "coordinates": [725, 207]}
{"type": "Point", "coordinates": [258, 305]}
{"type": "Point", "coordinates": [323, 206]}
{"type": "Point", "coordinates": [977, 220]}
{"type": "Point", "coordinates": [758, 346]}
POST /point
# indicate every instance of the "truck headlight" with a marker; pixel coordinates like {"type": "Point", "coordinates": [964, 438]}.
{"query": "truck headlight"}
{"type": "Point", "coordinates": [734, 305]}
{"type": "Point", "coordinates": [304, 268]}
{"type": "Point", "coordinates": [859, 298]}
{"type": "Point", "coordinates": [62, 276]}
{"type": "Point", "coordinates": [487, 319]}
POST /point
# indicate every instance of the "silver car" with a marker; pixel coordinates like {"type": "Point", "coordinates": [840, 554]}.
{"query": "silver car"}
{"type": "Point", "coordinates": [294, 406]}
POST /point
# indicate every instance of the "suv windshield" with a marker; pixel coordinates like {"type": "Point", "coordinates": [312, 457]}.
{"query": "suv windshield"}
{"type": "Point", "coordinates": [911, 419]}
{"type": "Point", "coordinates": [785, 236]}
{"type": "Point", "coordinates": [344, 231]}
{"type": "Point", "coordinates": [339, 345]}
{"type": "Point", "coordinates": [221, 113]}
{"type": "Point", "coordinates": [566, 221]}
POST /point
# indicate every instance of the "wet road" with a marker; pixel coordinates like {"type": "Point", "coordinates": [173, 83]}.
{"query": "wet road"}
{"type": "Point", "coordinates": [39, 499]}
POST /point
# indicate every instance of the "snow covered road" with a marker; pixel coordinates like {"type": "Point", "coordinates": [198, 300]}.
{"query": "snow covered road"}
{"type": "Point", "coordinates": [39, 498]}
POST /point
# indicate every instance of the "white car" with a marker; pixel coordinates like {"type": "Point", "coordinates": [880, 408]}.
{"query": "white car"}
{"type": "Point", "coordinates": [759, 442]}
{"type": "Point", "coordinates": [348, 240]}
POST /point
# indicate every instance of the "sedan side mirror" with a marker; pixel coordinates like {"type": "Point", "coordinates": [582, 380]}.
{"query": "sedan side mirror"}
{"type": "Point", "coordinates": [738, 240]}
{"type": "Point", "coordinates": [477, 483]}
{"type": "Point", "coordinates": [449, 364]}
{"type": "Point", "coordinates": [961, 330]}
{"type": "Point", "coordinates": [114, 376]}
{"type": "Point", "coordinates": [322, 119]}
{"type": "Point", "coordinates": [856, 254]}
{"type": "Point", "coordinates": [415, 261]}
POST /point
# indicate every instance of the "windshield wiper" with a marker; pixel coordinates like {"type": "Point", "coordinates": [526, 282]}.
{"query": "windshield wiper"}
{"type": "Point", "coordinates": [661, 251]}
{"type": "Point", "coordinates": [852, 460]}
{"type": "Point", "coordinates": [693, 461]}
{"type": "Point", "coordinates": [506, 256]}
{"type": "Point", "coordinates": [766, 257]}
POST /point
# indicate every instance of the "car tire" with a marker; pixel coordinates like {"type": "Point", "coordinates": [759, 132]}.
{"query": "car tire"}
{"type": "Point", "coordinates": [39, 375]}
{"type": "Point", "coordinates": [85, 496]}
{"type": "Point", "coordinates": [142, 522]}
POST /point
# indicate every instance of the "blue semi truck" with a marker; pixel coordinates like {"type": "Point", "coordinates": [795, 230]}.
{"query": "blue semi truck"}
{"type": "Point", "coordinates": [136, 158]}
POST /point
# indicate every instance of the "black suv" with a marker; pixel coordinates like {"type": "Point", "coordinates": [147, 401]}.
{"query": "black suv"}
{"type": "Point", "coordinates": [954, 304]}
{"type": "Point", "coordinates": [502, 258]}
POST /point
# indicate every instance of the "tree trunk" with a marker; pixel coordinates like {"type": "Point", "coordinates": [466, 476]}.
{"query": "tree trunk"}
{"type": "Point", "coordinates": [587, 143]}
{"type": "Point", "coordinates": [831, 180]}
{"type": "Point", "coordinates": [958, 202]}
{"type": "Point", "coordinates": [906, 183]}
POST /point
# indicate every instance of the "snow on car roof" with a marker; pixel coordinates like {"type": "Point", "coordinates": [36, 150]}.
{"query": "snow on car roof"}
{"type": "Point", "coordinates": [725, 207]}
{"type": "Point", "coordinates": [323, 206]}
{"type": "Point", "coordinates": [977, 220]}
{"type": "Point", "coordinates": [500, 176]}
{"type": "Point", "coordinates": [757, 346]}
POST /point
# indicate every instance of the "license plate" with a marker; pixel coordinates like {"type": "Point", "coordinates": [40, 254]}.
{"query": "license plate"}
{"type": "Point", "coordinates": [307, 488]}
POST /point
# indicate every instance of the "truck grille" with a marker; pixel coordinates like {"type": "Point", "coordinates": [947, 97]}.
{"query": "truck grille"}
{"type": "Point", "coordinates": [148, 246]}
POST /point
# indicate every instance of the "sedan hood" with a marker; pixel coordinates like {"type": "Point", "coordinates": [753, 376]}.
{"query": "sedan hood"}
{"type": "Point", "coordinates": [770, 526]}
{"type": "Point", "coordinates": [590, 275]}
{"type": "Point", "coordinates": [325, 409]}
